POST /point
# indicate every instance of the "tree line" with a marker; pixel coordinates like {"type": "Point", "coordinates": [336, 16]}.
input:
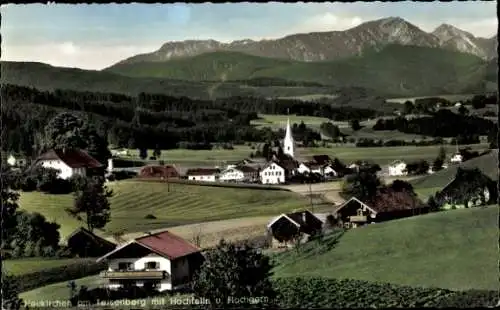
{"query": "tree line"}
{"type": "Point", "coordinates": [150, 121]}
{"type": "Point", "coordinates": [443, 123]}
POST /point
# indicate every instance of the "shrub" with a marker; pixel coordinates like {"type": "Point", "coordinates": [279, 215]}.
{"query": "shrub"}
{"type": "Point", "coordinates": [150, 217]}
{"type": "Point", "coordinates": [48, 251]}
{"type": "Point", "coordinates": [18, 251]}
{"type": "Point", "coordinates": [29, 249]}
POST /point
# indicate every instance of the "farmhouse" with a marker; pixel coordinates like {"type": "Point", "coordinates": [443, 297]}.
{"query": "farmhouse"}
{"type": "Point", "coordinates": [388, 204]}
{"type": "Point", "coordinates": [161, 261]}
{"type": "Point", "coordinates": [470, 187]}
{"type": "Point", "coordinates": [456, 158]}
{"type": "Point", "coordinates": [203, 174]}
{"type": "Point", "coordinates": [397, 168]}
{"type": "Point", "coordinates": [163, 172]}
{"type": "Point", "coordinates": [239, 174]}
{"type": "Point", "coordinates": [83, 243]}
{"type": "Point", "coordinates": [16, 161]}
{"type": "Point", "coordinates": [70, 162]}
{"type": "Point", "coordinates": [273, 173]}
{"type": "Point", "coordinates": [286, 228]}
{"type": "Point", "coordinates": [310, 167]}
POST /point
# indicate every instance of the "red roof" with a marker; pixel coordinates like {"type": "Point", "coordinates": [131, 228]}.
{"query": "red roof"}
{"type": "Point", "coordinates": [202, 171]}
{"type": "Point", "coordinates": [74, 158]}
{"type": "Point", "coordinates": [167, 244]}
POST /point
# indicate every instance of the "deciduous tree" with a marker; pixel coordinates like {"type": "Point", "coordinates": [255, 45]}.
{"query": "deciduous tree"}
{"type": "Point", "coordinates": [92, 201]}
{"type": "Point", "coordinates": [234, 272]}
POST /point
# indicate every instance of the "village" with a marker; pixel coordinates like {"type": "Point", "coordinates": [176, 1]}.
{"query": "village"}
{"type": "Point", "coordinates": [274, 156]}
{"type": "Point", "coordinates": [163, 261]}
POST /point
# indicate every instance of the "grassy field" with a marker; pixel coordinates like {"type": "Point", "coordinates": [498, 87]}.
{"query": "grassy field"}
{"type": "Point", "coordinates": [311, 97]}
{"type": "Point", "coordinates": [380, 155]}
{"type": "Point", "coordinates": [29, 265]}
{"type": "Point", "coordinates": [58, 291]}
{"type": "Point", "coordinates": [454, 249]}
{"type": "Point", "coordinates": [279, 121]}
{"type": "Point", "coordinates": [184, 204]}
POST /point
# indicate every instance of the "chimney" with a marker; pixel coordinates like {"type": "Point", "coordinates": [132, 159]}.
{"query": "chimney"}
{"type": "Point", "coordinates": [304, 217]}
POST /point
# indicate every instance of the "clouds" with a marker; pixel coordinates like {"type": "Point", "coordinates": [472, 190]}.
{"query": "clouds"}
{"type": "Point", "coordinates": [328, 21]}
{"type": "Point", "coordinates": [69, 54]}
{"type": "Point", "coordinates": [96, 36]}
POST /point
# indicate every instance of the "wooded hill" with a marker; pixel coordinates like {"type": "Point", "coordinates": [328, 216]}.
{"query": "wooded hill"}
{"type": "Point", "coordinates": [395, 71]}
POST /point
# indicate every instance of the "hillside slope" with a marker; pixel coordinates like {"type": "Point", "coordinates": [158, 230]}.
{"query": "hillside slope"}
{"type": "Point", "coordinates": [454, 249]}
{"type": "Point", "coordinates": [487, 163]}
{"type": "Point", "coordinates": [46, 77]}
{"type": "Point", "coordinates": [395, 69]}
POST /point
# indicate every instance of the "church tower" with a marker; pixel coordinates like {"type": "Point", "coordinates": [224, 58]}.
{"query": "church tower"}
{"type": "Point", "coordinates": [288, 143]}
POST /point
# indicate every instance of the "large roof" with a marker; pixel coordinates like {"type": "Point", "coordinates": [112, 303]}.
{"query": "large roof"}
{"type": "Point", "coordinates": [202, 171]}
{"type": "Point", "coordinates": [159, 171]}
{"type": "Point", "coordinates": [163, 243]}
{"type": "Point", "coordinates": [168, 244]}
{"type": "Point", "coordinates": [74, 158]}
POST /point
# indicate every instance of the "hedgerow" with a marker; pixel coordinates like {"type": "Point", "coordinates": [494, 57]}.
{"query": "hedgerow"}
{"type": "Point", "coordinates": [333, 293]}
{"type": "Point", "coordinates": [30, 281]}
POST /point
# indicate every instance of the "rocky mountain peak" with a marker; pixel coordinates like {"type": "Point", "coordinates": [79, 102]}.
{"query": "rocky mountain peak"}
{"type": "Point", "coordinates": [320, 46]}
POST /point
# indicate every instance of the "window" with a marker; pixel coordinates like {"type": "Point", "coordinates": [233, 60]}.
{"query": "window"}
{"type": "Point", "coordinates": [152, 265]}
{"type": "Point", "coordinates": [125, 266]}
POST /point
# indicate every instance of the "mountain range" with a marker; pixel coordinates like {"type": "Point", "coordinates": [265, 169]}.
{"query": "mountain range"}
{"type": "Point", "coordinates": [388, 57]}
{"type": "Point", "coordinates": [325, 46]}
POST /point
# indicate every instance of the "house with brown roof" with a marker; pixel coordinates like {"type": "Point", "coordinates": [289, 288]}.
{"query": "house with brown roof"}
{"type": "Point", "coordinates": [70, 162]}
{"type": "Point", "coordinates": [155, 171]}
{"type": "Point", "coordinates": [161, 261]}
{"type": "Point", "coordinates": [83, 243]}
{"type": "Point", "coordinates": [287, 228]}
{"type": "Point", "coordinates": [387, 204]}
{"type": "Point", "coordinates": [203, 174]}
{"type": "Point", "coordinates": [239, 173]}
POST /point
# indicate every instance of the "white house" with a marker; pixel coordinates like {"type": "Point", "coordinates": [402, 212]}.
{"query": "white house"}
{"type": "Point", "coordinates": [239, 174]}
{"type": "Point", "coordinates": [123, 152]}
{"type": "Point", "coordinates": [310, 167]}
{"type": "Point", "coordinates": [272, 174]}
{"type": "Point", "coordinates": [203, 174]}
{"type": "Point", "coordinates": [14, 161]}
{"type": "Point", "coordinates": [397, 168]}
{"type": "Point", "coordinates": [161, 261]}
{"type": "Point", "coordinates": [457, 158]}
{"type": "Point", "coordinates": [69, 162]}
{"type": "Point", "coordinates": [329, 171]}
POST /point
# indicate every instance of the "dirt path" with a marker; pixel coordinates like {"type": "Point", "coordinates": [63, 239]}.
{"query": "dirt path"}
{"type": "Point", "coordinates": [210, 233]}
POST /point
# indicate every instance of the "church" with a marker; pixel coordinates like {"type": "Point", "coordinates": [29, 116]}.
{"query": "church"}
{"type": "Point", "coordinates": [278, 170]}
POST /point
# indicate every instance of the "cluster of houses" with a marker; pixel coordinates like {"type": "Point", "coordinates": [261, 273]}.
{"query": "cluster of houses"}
{"type": "Point", "coordinates": [164, 261]}
{"type": "Point", "coordinates": [280, 169]}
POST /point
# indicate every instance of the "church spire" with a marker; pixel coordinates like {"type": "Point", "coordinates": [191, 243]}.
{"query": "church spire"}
{"type": "Point", "coordinates": [288, 143]}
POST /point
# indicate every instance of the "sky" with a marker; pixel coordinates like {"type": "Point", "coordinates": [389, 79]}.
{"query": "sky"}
{"type": "Point", "coordinates": [96, 36]}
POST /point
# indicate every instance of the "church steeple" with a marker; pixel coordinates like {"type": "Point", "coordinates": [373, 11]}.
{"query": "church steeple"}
{"type": "Point", "coordinates": [288, 143]}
